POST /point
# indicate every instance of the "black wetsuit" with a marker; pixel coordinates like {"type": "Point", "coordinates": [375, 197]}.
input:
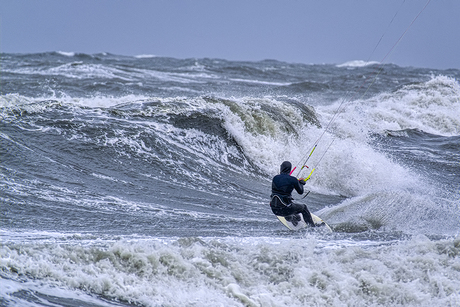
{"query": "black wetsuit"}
{"type": "Point", "coordinates": [281, 198]}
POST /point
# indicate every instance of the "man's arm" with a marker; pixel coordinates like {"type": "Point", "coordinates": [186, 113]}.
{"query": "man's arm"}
{"type": "Point", "coordinates": [299, 185]}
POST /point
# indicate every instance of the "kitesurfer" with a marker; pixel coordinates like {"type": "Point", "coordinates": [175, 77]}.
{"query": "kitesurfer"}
{"type": "Point", "coordinates": [281, 198]}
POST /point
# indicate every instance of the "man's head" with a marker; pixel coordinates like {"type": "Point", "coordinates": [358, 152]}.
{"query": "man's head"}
{"type": "Point", "coordinates": [285, 167]}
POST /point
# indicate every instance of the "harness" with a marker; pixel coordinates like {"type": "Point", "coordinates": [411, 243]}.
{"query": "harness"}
{"type": "Point", "coordinates": [280, 200]}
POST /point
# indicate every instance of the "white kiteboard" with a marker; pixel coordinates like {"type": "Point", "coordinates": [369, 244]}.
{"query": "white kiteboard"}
{"type": "Point", "coordinates": [296, 222]}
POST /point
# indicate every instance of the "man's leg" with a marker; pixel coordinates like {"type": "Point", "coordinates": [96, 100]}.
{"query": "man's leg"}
{"type": "Point", "coordinates": [306, 214]}
{"type": "Point", "coordinates": [280, 209]}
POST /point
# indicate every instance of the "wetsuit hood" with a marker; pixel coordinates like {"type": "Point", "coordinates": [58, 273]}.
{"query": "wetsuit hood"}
{"type": "Point", "coordinates": [285, 167]}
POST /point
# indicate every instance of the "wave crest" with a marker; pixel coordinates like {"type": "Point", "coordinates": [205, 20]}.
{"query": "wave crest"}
{"type": "Point", "coordinates": [357, 63]}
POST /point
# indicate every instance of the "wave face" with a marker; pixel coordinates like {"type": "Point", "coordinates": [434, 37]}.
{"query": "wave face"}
{"type": "Point", "coordinates": [145, 180]}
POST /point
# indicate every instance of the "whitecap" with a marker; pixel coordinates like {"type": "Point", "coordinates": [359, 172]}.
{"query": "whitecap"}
{"type": "Point", "coordinates": [357, 63]}
{"type": "Point", "coordinates": [69, 54]}
{"type": "Point", "coordinates": [145, 56]}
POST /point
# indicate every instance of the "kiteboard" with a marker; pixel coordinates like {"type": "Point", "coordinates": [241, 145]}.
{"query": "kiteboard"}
{"type": "Point", "coordinates": [296, 222]}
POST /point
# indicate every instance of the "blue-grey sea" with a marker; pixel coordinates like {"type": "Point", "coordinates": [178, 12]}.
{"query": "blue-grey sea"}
{"type": "Point", "coordinates": [145, 181]}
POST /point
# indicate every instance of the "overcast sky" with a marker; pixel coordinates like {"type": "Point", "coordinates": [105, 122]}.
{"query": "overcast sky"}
{"type": "Point", "coordinates": [320, 31]}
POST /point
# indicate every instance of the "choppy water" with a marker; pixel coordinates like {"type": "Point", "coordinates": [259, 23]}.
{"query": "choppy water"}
{"type": "Point", "coordinates": [145, 181]}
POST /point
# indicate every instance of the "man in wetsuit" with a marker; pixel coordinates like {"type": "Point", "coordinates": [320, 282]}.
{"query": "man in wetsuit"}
{"type": "Point", "coordinates": [281, 198]}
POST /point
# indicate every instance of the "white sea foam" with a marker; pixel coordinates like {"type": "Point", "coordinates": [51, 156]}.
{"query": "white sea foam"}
{"type": "Point", "coordinates": [395, 210]}
{"type": "Point", "coordinates": [145, 56]}
{"type": "Point", "coordinates": [266, 135]}
{"type": "Point", "coordinates": [77, 70]}
{"type": "Point", "coordinates": [69, 54]}
{"type": "Point", "coordinates": [14, 100]}
{"type": "Point", "coordinates": [253, 271]}
{"type": "Point", "coordinates": [80, 70]}
{"type": "Point", "coordinates": [40, 104]}
{"type": "Point", "coordinates": [358, 63]}
{"type": "Point", "coordinates": [432, 106]}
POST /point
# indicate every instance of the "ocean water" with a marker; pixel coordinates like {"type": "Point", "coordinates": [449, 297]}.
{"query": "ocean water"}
{"type": "Point", "coordinates": [145, 181]}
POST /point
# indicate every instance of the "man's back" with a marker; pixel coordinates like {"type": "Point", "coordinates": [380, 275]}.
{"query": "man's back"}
{"type": "Point", "coordinates": [284, 184]}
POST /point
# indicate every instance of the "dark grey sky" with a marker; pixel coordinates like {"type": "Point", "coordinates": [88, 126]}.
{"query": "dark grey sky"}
{"type": "Point", "coordinates": [306, 31]}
